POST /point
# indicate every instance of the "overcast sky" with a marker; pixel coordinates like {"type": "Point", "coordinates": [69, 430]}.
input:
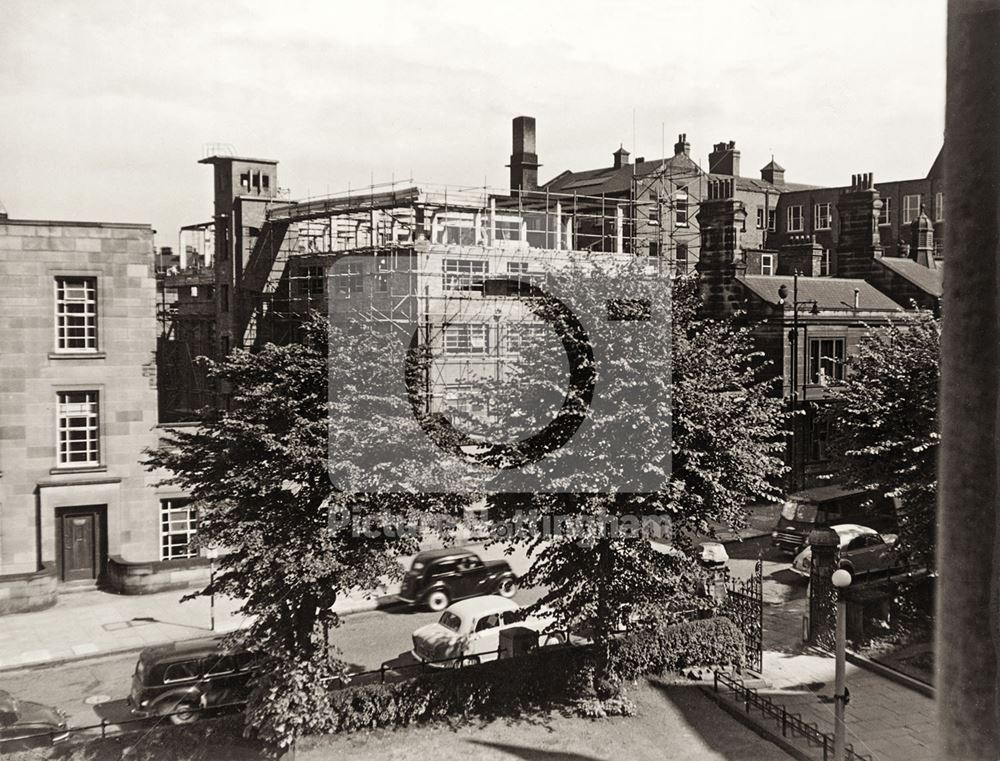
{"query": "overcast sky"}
{"type": "Point", "coordinates": [107, 105]}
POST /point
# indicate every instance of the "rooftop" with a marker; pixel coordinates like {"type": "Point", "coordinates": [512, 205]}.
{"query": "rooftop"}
{"type": "Point", "coordinates": [829, 293]}
{"type": "Point", "coordinates": [924, 278]}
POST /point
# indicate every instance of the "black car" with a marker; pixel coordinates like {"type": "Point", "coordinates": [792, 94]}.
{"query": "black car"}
{"type": "Point", "coordinates": [439, 577]}
{"type": "Point", "coordinates": [25, 725]}
{"type": "Point", "coordinates": [183, 678]}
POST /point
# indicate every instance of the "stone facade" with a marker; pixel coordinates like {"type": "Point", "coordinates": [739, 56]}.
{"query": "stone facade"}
{"type": "Point", "coordinates": [63, 510]}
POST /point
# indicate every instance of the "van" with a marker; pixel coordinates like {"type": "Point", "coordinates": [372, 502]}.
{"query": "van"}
{"type": "Point", "coordinates": [825, 506]}
{"type": "Point", "coordinates": [184, 678]}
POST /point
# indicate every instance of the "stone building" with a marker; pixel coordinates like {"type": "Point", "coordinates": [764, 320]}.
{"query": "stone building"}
{"type": "Point", "coordinates": [77, 408]}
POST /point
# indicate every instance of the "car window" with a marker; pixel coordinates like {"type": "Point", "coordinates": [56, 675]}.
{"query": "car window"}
{"type": "Point", "coordinates": [856, 543]}
{"type": "Point", "coordinates": [179, 672]}
{"type": "Point", "coordinates": [445, 566]}
{"type": "Point", "coordinates": [450, 621]}
{"type": "Point", "coordinates": [491, 621]}
{"type": "Point", "coordinates": [224, 664]}
{"type": "Point", "coordinates": [874, 540]}
{"type": "Point", "coordinates": [244, 661]}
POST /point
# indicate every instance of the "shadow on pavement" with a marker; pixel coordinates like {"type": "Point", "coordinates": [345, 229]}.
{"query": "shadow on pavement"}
{"type": "Point", "coordinates": [534, 754]}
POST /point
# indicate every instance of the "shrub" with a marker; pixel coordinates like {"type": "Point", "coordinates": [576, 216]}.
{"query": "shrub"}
{"type": "Point", "coordinates": [712, 641]}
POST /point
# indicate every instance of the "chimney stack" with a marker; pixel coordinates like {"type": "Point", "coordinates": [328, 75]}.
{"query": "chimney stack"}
{"type": "Point", "coordinates": [724, 159]}
{"type": "Point", "coordinates": [682, 145]}
{"type": "Point", "coordinates": [523, 159]}
{"type": "Point", "coordinates": [621, 158]}
{"type": "Point", "coordinates": [858, 243]}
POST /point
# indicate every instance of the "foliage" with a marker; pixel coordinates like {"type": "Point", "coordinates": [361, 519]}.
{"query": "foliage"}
{"type": "Point", "coordinates": [258, 474]}
{"type": "Point", "coordinates": [886, 430]}
{"type": "Point", "coordinates": [661, 649]}
{"type": "Point", "coordinates": [703, 440]}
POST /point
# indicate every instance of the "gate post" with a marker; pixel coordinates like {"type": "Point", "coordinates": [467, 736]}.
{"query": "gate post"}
{"type": "Point", "coordinates": [825, 544]}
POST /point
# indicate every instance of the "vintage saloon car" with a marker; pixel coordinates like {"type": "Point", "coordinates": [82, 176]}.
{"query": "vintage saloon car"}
{"type": "Point", "coordinates": [863, 552]}
{"type": "Point", "coordinates": [25, 725]}
{"type": "Point", "coordinates": [469, 632]}
{"type": "Point", "coordinates": [437, 578]}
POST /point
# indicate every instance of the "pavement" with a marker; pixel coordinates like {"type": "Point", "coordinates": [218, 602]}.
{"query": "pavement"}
{"type": "Point", "coordinates": [95, 623]}
{"type": "Point", "coordinates": [884, 719]}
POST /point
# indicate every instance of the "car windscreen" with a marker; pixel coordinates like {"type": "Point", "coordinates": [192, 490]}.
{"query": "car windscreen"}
{"type": "Point", "coordinates": [418, 565]}
{"type": "Point", "coordinates": [799, 511]}
{"type": "Point", "coordinates": [450, 621]}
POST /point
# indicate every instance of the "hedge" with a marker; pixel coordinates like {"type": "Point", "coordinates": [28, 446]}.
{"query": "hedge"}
{"type": "Point", "coordinates": [706, 642]}
{"type": "Point", "coordinates": [514, 686]}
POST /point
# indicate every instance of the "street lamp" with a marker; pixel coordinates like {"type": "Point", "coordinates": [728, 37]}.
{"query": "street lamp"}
{"type": "Point", "coordinates": [793, 339]}
{"type": "Point", "coordinates": [841, 580]}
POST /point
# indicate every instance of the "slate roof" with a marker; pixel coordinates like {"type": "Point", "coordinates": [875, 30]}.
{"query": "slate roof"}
{"type": "Point", "coordinates": [828, 292]}
{"type": "Point", "coordinates": [611, 181]}
{"type": "Point", "coordinates": [924, 278]}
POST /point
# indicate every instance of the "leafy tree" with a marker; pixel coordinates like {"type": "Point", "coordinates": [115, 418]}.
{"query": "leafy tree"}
{"type": "Point", "coordinates": [686, 434]}
{"type": "Point", "coordinates": [258, 473]}
{"type": "Point", "coordinates": [886, 428]}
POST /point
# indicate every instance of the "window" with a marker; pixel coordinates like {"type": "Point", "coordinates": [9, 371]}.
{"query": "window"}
{"type": "Point", "coordinates": [772, 220]}
{"type": "Point", "coordinates": [245, 181]}
{"type": "Point", "coordinates": [464, 398]}
{"type": "Point", "coordinates": [885, 213]}
{"type": "Point", "coordinates": [466, 338]}
{"type": "Point", "coordinates": [819, 438]}
{"type": "Point", "coordinates": [767, 264]}
{"type": "Point", "coordinates": [794, 219]}
{"type": "Point", "coordinates": [517, 268]}
{"type": "Point", "coordinates": [76, 314]}
{"type": "Point", "coordinates": [938, 247]}
{"type": "Point", "coordinates": [178, 525]}
{"type": "Point", "coordinates": [266, 180]}
{"type": "Point", "coordinates": [220, 665]}
{"type": "Point", "coordinates": [315, 277]}
{"type": "Point", "coordinates": [911, 208]}
{"type": "Point", "coordinates": [824, 263]}
{"type": "Point", "coordinates": [465, 274]}
{"type": "Point", "coordinates": [180, 672]}
{"type": "Point", "coordinates": [492, 621]}
{"type": "Point", "coordinates": [826, 360]}
{"type": "Point", "coordinates": [520, 334]}
{"type": "Point", "coordinates": [821, 216]}
{"type": "Point", "coordinates": [681, 207]}
{"type": "Point", "coordinates": [939, 207]}
{"type": "Point", "coordinates": [349, 279]}
{"type": "Point", "coordinates": [760, 218]}
{"type": "Point", "coordinates": [79, 428]}
{"type": "Point", "coordinates": [382, 282]}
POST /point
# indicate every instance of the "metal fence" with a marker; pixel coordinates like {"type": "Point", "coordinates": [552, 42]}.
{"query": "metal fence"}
{"type": "Point", "coordinates": [790, 722]}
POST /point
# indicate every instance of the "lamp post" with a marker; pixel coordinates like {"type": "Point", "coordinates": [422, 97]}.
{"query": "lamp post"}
{"type": "Point", "coordinates": [841, 580]}
{"type": "Point", "coordinates": [793, 340]}
{"type": "Point", "coordinates": [211, 553]}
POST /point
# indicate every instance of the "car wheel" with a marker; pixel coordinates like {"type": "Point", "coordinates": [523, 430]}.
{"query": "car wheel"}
{"type": "Point", "coordinates": [438, 600]}
{"type": "Point", "coordinates": [183, 713]}
{"type": "Point", "coordinates": [507, 587]}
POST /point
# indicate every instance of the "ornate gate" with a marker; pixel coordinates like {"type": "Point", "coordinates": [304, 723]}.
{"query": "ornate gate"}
{"type": "Point", "coordinates": [745, 606]}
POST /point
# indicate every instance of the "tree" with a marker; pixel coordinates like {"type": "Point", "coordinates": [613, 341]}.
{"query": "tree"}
{"type": "Point", "coordinates": [684, 431]}
{"type": "Point", "coordinates": [259, 474]}
{"type": "Point", "coordinates": [886, 428]}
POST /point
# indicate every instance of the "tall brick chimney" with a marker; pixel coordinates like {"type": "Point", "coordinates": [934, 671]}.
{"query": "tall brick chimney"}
{"type": "Point", "coordinates": [682, 145]}
{"type": "Point", "coordinates": [523, 159]}
{"type": "Point", "coordinates": [724, 159]}
{"type": "Point", "coordinates": [858, 242]}
{"type": "Point", "coordinates": [720, 217]}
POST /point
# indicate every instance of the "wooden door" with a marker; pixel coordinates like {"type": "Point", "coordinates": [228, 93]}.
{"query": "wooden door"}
{"type": "Point", "coordinates": [78, 550]}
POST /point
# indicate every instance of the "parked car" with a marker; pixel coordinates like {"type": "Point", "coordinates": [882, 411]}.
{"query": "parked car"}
{"type": "Point", "coordinates": [438, 578]}
{"type": "Point", "coordinates": [183, 678]}
{"type": "Point", "coordinates": [863, 551]}
{"type": "Point", "coordinates": [828, 506]}
{"type": "Point", "coordinates": [468, 632]}
{"type": "Point", "coordinates": [25, 725]}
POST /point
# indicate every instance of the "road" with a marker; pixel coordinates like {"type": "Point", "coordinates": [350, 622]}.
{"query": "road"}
{"type": "Point", "coordinates": [365, 641]}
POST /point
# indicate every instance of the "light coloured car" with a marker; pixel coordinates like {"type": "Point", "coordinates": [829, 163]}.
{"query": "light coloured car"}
{"type": "Point", "coordinates": [862, 551]}
{"type": "Point", "coordinates": [468, 632]}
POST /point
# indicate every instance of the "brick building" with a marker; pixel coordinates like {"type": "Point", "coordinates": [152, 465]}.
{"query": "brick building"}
{"type": "Point", "coordinates": [77, 407]}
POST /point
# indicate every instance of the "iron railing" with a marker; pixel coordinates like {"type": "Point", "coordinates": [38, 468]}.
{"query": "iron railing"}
{"type": "Point", "coordinates": [790, 722]}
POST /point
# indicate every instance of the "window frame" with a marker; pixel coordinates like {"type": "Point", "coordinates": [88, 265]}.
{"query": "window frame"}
{"type": "Point", "coordinates": [885, 213]}
{"type": "Point", "coordinates": [835, 360]}
{"type": "Point", "coordinates": [788, 219]}
{"type": "Point", "coordinates": [91, 317]}
{"type": "Point", "coordinates": [817, 219]}
{"type": "Point", "coordinates": [63, 449]}
{"type": "Point", "coordinates": [911, 214]}
{"type": "Point", "coordinates": [770, 264]}
{"type": "Point", "coordinates": [761, 218]}
{"type": "Point", "coordinates": [170, 505]}
{"type": "Point", "coordinates": [681, 207]}
{"type": "Point", "coordinates": [464, 274]}
{"type": "Point", "coordinates": [464, 345]}
{"type": "Point", "coordinates": [939, 206]}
